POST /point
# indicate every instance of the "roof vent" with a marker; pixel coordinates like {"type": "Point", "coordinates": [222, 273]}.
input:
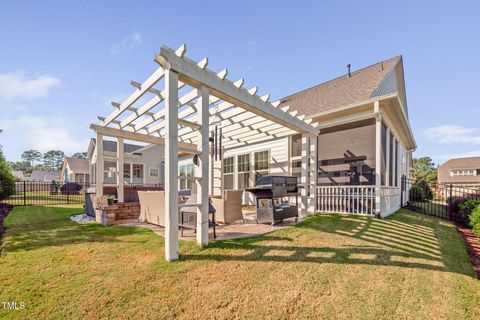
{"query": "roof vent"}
{"type": "Point", "coordinates": [348, 67]}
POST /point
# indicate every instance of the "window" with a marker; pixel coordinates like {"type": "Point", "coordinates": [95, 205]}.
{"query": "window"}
{"type": "Point", "coordinates": [126, 170]}
{"type": "Point", "coordinates": [243, 166]}
{"type": "Point", "coordinates": [261, 164]}
{"type": "Point", "coordinates": [110, 172]}
{"type": "Point", "coordinates": [463, 172]}
{"type": "Point", "coordinates": [153, 172]}
{"type": "Point", "coordinates": [297, 169]}
{"type": "Point", "coordinates": [296, 145]}
{"type": "Point", "coordinates": [138, 171]}
{"type": "Point", "coordinates": [228, 173]}
{"type": "Point", "coordinates": [185, 170]}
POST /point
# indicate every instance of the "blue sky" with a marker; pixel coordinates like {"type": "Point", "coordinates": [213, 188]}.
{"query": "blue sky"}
{"type": "Point", "coordinates": [61, 63]}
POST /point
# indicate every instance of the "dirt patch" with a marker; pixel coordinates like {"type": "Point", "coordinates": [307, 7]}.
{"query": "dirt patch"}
{"type": "Point", "coordinates": [4, 210]}
{"type": "Point", "coordinates": [472, 241]}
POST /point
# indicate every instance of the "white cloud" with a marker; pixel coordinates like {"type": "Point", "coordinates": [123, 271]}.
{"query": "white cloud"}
{"type": "Point", "coordinates": [15, 85]}
{"type": "Point", "coordinates": [450, 134]}
{"type": "Point", "coordinates": [128, 43]}
{"type": "Point", "coordinates": [475, 153]}
{"type": "Point", "coordinates": [43, 133]}
{"type": "Point", "coordinates": [251, 43]}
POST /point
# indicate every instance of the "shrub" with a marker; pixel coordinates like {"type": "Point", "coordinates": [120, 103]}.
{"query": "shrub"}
{"type": "Point", "coordinates": [427, 191]}
{"type": "Point", "coordinates": [467, 207]}
{"type": "Point", "coordinates": [417, 193]}
{"type": "Point", "coordinates": [456, 201]}
{"type": "Point", "coordinates": [7, 181]}
{"type": "Point", "coordinates": [474, 220]}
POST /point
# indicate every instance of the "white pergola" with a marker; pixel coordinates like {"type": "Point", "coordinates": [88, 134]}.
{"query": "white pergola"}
{"type": "Point", "coordinates": [184, 99]}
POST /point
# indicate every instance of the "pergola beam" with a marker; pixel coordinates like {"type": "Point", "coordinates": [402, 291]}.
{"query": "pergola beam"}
{"type": "Point", "coordinates": [189, 72]}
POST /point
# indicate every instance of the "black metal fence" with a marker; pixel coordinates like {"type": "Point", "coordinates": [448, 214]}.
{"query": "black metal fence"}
{"type": "Point", "coordinates": [40, 193]}
{"type": "Point", "coordinates": [43, 193]}
{"type": "Point", "coordinates": [439, 200]}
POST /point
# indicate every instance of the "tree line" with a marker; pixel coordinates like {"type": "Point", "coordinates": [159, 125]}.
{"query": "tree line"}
{"type": "Point", "coordinates": [49, 161]}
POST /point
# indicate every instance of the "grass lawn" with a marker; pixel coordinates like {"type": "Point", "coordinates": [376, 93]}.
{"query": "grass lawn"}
{"type": "Point", "coordinates": [409, 266]}
{"type": "Point", "coordinates": [44, 198]}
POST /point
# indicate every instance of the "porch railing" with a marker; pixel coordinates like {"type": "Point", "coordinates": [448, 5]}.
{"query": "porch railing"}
{"type": "Point", "coordinates": [346, 199]}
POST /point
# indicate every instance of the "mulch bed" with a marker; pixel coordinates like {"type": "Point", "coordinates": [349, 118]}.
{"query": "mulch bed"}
{"type": "Point", "coordinates": [4, 210]}
{"type": "Point", "coordinates": [472, 241]}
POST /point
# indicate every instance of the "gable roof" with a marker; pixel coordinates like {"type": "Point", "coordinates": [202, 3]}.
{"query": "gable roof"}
{"type": "Point", "coordinates": [463, 163]}
{"type": "Point", "coordinates": [111, 146]}
{"type": "Point", "coordinates": [77, 165]}
{"type": "Point", "coordinates": [459, 163]}
{"type": "Point", "coordinates": [18, 174]}
{"type": "Point", "coordinates": [342, 91]}
{"type": "Point", "coordinates": [41, 175]}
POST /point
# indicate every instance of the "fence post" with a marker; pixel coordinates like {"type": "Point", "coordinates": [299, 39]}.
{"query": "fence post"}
{"type": "Point", "coordinates": [450, 203]}
{"type": "Point", "coordinates": [24, 192]}
{"type": "Point", "coordinates": [68, 194]}
{"type": "Point", "coordinates": [402, 182]}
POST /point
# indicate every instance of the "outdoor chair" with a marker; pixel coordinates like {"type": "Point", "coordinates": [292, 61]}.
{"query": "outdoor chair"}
{"type": "Point", "coordinates": [229, 207]}
{"type": "Point", "coordinates": [152, 207]}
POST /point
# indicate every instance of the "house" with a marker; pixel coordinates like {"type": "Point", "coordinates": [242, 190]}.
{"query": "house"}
{"type": "Point", "coordinates": [75, 170]}
{"type": "Point", "coordinates": [44, 176]}
{"type": "Point", "coordinates": [348, 140]}
{"type": "Point", "coordinates": [142, 165]}
{"type": "Point", "coordinates": [350, 110]}
{"type": "Point", "coordinates": [460, 172]}
{"type": "Point", "coordinates": [18, 175]}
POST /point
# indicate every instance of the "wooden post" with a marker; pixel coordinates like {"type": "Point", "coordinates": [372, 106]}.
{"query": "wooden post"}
{"type": "Point", "coordinates": [314, 178]}
{"type": "Point", "coordinates": [99, 167]}
{"type": "Point", "coordinates": [203, 147]}
{"type": "Point", "coordinates": [378, 157]}
{"type": "Point", "coordinates": [120, 162]}
{"type": "Point", "coordinates": [171, 165]}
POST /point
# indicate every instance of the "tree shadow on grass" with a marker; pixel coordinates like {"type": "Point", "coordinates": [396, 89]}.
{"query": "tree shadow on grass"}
{"type": "Point", "coordinates": [406, 239]}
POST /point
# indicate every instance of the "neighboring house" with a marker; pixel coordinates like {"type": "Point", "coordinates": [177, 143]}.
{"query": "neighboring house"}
{"type": "Point", "coordinates": [461, 172]}
{"type": "Point", "coordinates": [45, 176]}
{"type": "Point", "coordinates": [142, 164]}
{"type": "Point", "coordinates": [18, 175]}
{"type": "Point", "coordinates": [75, 170]}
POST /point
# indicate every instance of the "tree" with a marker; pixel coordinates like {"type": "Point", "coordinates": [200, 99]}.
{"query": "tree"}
{"type": "Point", "coordinates": [7, 181]}
{"type": "Point", "coordinates": [424, 169]}
{"type": "Point", "coordinates": [31, 156]}
{"type": "Point", "coordinates": [53, 159]}
{"type": "Point", "coordinates": [80, 155]}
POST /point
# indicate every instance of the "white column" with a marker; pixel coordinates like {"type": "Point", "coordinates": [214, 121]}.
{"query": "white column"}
{"type": "Point", "coordinates": [131, 172]}
{"type": "Point", "coordinates": [171, 165]}
{"type": "Point", "coordinates": [387, 157]}
{"type": "Point", "coordinates": [394, 163]}
{"type": "Point", "coordinates": [202, 186]}
{"type": "Point", "coordinates": [99, 166]}
{"type": "Point", "coordinates": [314, 175]}
{"type": "Point", "coordinates": [120, 162]}
{"type": "Point", "coordinates": [304, 178]}
{"type": "Point", "coordinates": [378, 156]}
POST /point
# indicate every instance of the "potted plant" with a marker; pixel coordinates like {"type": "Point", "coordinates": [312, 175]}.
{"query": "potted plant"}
{"type": "Point", "coordinates": [110, 200]}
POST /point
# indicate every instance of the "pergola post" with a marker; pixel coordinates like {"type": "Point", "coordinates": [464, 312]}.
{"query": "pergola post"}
{"type": "Point", "coordinates": [378, 157]}
{"type": "Point", "coordinates": [203, 147]}
{"type": "Point", "coordinates": [120, 162]}
{"type": "Point", "coordinates": [171, 165]}
{"type": "Point", "coordinates": [99, 166]}
{"type": "Point", "coordinates": [312, 206]}
{"type": "Point", "coordinates": [305, 173]}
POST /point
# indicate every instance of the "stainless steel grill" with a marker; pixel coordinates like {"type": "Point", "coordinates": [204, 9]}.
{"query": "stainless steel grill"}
{"type": "Point", "coordinates": [273, 196]}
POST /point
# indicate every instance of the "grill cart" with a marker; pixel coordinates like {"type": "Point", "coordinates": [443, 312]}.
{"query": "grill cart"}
{"type": "Point", "coordinates": [273, 195]}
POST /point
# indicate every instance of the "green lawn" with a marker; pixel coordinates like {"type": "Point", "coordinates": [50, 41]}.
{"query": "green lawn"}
{"type": "Point", "coordinates": [409, 266]}
{"type": "Point", "coordinates": [44, 198]}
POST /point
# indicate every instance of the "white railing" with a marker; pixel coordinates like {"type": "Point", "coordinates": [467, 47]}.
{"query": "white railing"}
{"type": "Point", "coordinates": [346, 199]}
{"type": "Point", "coordinates": [389, 200]}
